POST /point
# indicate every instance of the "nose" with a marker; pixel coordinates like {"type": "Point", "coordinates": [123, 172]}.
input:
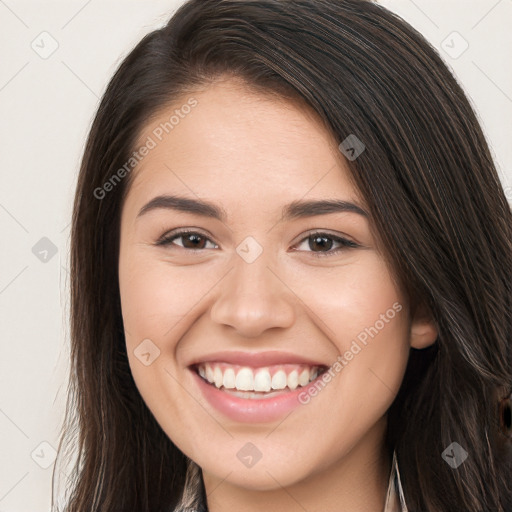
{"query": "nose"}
{"type": "Point", "coordinates": [253, 298]}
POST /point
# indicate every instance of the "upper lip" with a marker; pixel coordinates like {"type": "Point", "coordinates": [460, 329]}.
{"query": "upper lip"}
{"type": "Point", "coordinates": [255, 359]}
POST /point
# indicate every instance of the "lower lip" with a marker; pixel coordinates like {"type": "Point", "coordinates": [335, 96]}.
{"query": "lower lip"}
{"type": "Point", "coordinates": [247, 410]}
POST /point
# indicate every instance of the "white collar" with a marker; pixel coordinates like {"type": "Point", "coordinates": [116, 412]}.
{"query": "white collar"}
{"type": "Point", "coordinates": [395, 500]}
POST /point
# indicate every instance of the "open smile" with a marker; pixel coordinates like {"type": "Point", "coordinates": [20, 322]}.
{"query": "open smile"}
{"type": "Point", "coordinates": [250, 393]}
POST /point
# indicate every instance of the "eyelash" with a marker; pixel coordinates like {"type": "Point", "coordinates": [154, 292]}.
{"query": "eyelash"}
{"type": "Point", "coordinates": [345, 244]}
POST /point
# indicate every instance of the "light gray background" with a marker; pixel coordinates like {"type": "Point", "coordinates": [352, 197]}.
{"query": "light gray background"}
{"type": "Point", "coordinates": [47, 106]}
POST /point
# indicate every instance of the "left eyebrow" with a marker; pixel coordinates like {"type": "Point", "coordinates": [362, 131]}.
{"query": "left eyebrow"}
{"type": "Point", "coordinates": [294, 210]}
{"type": "Point", "coordinates": [301, 209]}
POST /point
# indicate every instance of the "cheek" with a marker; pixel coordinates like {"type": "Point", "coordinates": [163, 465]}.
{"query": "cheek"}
{"type": "Point", "coordinates": [155, 296]}
{"type": "Point", "coordinates": [155, 301]}
{"type": "Point", "coordinates": [362, 313]}
{"type": "Point", "coordinates": [352, 298]}
{"type": "Point", "coordinates": [160, 302]}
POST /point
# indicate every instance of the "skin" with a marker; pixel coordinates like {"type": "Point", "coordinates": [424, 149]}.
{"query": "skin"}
{"type": "Point", "coordinates": [252, 154]}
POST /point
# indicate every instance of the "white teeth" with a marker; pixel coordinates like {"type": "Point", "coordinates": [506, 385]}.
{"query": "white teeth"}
{"type": "Point", "coordinates": [304, 377]}
{"type": "Point", "coordinates": [246, 380]}
{"type": "Point", "coordinates": [263, 381]}
{"type": "Point", "coordinates": [229, 378]}
{"type": "Point", "coordinates": [279, 380]}
{"type": "Point", "coordinates": [293, 379]}
{"type": "Point", "coordinates": [209, 373]}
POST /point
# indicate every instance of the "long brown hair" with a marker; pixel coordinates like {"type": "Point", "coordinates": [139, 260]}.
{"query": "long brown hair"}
{"type": "Point", "coordinates": [434, 197]}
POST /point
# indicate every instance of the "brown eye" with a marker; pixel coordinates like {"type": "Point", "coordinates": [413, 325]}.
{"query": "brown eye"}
{"type": "Point", "coordinates": [191, 240]}
{"type": "Point", "coordinates": [322, 243]}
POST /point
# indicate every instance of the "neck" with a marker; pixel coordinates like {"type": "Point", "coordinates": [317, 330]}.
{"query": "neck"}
{"type": "Point", "coordinates": [357, 482]}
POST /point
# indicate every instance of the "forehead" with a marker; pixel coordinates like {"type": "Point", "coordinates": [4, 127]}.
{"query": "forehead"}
{"type": "Point", "coordinates": [235, 142]}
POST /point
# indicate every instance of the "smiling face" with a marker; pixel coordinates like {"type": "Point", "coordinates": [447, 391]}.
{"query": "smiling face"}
{"type": "Point", "coordinates": [256, 297]}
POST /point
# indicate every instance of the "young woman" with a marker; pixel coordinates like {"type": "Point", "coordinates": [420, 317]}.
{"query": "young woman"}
{"type": "Point", "coordinates": [291, 273]}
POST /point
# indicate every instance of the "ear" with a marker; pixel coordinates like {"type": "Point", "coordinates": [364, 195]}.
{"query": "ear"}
{"type": "Point", "coordinates": [424, 331]}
